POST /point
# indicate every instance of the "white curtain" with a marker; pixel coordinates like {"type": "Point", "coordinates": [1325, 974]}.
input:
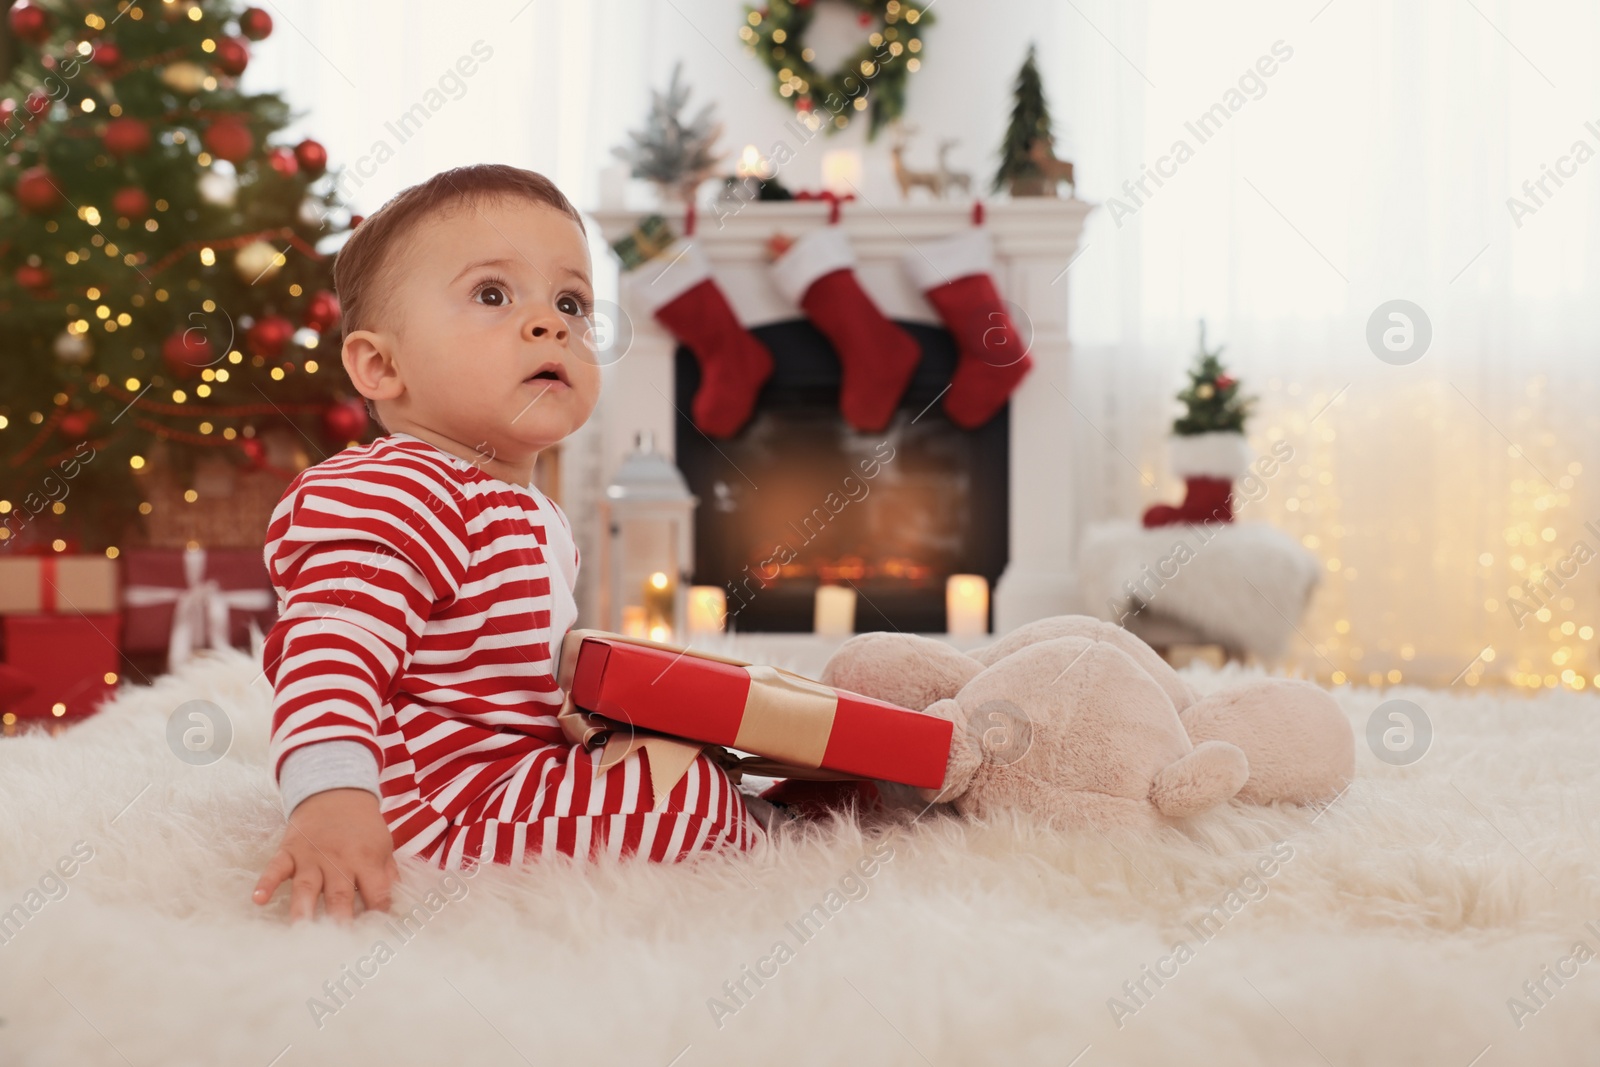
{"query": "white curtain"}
{"type": "Point", "coordinates": [1448, 497]}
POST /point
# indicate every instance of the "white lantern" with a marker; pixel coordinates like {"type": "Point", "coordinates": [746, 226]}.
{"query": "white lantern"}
{"type": "Point", "coordinates": [649, 516]}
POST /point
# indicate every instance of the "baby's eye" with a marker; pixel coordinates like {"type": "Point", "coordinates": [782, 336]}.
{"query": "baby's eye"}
{"type": "Point", "coordinates": [491, 295]}
{"type": "Point", "coordinates": [570, 305]}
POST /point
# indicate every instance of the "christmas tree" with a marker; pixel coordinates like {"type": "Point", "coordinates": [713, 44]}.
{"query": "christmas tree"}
{"type": "Point", "coordinates": [1211, 400]}
{"type": "Point", "coordinates": [1030, 121]}
{"type": "Point", "coordinates": [675, 154]}
{"type": "Point", "coordinates": [162, 291]}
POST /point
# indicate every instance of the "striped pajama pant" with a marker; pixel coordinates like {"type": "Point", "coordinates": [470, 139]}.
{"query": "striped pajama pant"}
{"type": "Point", "coordinates": [553, 803]}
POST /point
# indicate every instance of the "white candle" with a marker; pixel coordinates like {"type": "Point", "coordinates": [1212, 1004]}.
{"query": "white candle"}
{"type": "Point", "coordinates": [966, 604]}
{"type": "Point", "coordinates": [708, 609]}
{"type": "Point", "coordinates": [841, 171]}
{"type": "Point", "coordinates": [835, 610]}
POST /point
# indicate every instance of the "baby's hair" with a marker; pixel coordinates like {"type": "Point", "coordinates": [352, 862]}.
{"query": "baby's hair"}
{"type": "Point", "coordinates": [363, 273]}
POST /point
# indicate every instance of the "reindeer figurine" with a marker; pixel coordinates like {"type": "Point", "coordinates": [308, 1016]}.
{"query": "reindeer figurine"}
{"type": "Point", "coordinates": [907, 178]}
{"type": "Point", "coordinates": [1051, 169]}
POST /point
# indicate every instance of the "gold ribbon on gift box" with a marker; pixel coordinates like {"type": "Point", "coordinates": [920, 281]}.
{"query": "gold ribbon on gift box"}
{"type": "Point", "coordinates": [787, 716]}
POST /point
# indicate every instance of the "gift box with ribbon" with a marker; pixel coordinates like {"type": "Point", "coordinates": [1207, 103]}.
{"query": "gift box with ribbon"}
{"type": "Point", "coordinates": [181, 600]}
{"type": "Point", "coordinates": [627, 693]}
{"type": "Point", "coordinates": [57, 666]}
{"type": "Point", "coordinates": [57, 584]}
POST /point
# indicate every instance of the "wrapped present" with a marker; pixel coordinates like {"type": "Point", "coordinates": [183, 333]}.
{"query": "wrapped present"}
{"type": "Point", "coordinates": [48, 584]}
{"type": "Point", "coordinates": [58, 665]}
{"type": "Point", "coordinates": [181, 600]}
{"type": "Point", "coordinates": [626, 693]}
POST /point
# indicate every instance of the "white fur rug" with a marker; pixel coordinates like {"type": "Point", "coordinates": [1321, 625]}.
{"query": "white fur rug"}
{"type": "Point", "coordinates": [1393, 929]}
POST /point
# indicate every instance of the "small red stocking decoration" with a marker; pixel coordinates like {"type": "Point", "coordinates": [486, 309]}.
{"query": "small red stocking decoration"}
{"type": "Point", "coordinates": [677, 287]}
{"type": "Point", "coordinates": [956, 276]}
{"type": "Point", "coordinates": [876, 357]}
{"type": "Point", "coordinates": [1208, 463]}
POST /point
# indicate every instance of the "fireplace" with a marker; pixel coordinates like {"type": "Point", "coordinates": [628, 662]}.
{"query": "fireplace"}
{"type": "Point", "coordinates": [799, 498]}
{"type": "Point", "coordinates": [998, 501]}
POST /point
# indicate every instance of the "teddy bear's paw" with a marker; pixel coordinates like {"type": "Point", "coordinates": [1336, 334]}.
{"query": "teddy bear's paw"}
{"type": "Point", "coordinates": [1206, 777]}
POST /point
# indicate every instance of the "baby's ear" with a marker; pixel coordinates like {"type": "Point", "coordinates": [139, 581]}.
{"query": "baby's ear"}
{"type": "Point", "coordinates": [965, 757]}
{"type": "Point", "coordinates": [369, 360]}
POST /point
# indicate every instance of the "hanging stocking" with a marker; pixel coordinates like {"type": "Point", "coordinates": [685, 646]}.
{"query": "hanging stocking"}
{"type": "Point", "coordinates": [1209, 464]}
{"type": "Point", "coordinates": [677, 287]}
{"type": "Point", "coordinates": [955, 275]}
{"type": "Point", "coordinates": [877, 358]}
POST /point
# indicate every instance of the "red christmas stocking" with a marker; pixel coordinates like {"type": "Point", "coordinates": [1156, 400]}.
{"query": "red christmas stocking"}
{"type": "Point", "coordinates": [956, 276]}
{"type": "Point", "coordinates": [678, 289]}
{"type": "Point", "coordinates": [1208, 463]}
{"type": "Point", "coordinates": [876, 356]}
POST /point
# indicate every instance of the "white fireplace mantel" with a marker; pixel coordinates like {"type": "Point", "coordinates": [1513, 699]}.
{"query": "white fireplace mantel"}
{"type": "Point", "coordinates": [1035, 240]}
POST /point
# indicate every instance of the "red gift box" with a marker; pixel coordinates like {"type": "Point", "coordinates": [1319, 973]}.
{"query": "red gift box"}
{"type": "Point", "coordinates": [178, 600]}
{"type": "Point", "coordinates": [70, 661]}
{"type": "Point", "coordinates": [794, 721]}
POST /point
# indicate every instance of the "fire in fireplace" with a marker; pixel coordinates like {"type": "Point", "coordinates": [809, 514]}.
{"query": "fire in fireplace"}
{"type": "Point", "coordinates": [800, 499]}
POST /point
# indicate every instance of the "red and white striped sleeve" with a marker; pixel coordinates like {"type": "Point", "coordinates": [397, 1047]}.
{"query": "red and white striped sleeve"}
{"type": "Point", "coordinates": [361, 551]}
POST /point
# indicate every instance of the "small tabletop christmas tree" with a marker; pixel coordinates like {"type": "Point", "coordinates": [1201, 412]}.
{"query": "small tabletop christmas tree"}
{"type": "Point", "coordinates": [1030, 122]}
{"type": "Point", "coordinates": [674, 154]}
{"type": "Point", "coordinates": [1211, 400]}
{"type": "Point", "coordinates": [159, 279]}
{"type": "Point", "coordinates": [1208, 448]}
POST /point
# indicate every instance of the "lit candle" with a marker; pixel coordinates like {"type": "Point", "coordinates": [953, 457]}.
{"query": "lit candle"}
{"type": "Point", "coordinates": [835, 610]}
{"type": "Point", "coordinates": [708, 609]}
{"type": "Point", "coordinates": [633, 620]}
{"type": "Point", "coordinates": [660, 593]}
{"type": "Point", "coordinates": [966, 604]}
{"type": "Point", "coordinates": [841, 171]}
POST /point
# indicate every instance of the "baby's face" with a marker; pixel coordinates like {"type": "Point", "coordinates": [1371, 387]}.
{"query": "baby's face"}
{"type": "Point", "coordinates": [492, 336]}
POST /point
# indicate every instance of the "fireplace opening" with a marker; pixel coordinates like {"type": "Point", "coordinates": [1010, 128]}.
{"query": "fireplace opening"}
{"type": "Point", "coordinates": [800, 499]}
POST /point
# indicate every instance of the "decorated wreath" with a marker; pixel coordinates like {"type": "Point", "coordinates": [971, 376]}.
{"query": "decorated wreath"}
{"type": "Point", "coordinates": [873, 79]}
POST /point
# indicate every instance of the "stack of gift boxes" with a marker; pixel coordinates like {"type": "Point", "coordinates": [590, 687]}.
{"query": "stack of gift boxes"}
{"type": "Point", "coordinates": [72, 626]}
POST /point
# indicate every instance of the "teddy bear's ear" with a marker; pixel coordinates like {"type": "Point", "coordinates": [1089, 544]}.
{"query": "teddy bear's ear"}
{"type": "Point", "coordinates": [965, 758]}
{"type": "Point", "coordinates": [905, 669]}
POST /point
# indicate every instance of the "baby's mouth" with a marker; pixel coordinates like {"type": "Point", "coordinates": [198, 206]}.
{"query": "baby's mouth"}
{"type": "Point", "coordinates": [551, 373]}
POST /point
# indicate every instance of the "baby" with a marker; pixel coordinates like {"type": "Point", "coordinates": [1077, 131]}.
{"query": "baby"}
{"type": "Point", "coordinates": [426, 584]}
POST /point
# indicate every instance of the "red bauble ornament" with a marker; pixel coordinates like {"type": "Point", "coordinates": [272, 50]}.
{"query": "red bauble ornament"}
{"type": "Point", "coordinates": [126, 137]}
{"type": "Point", "coordinates": [187, 351]}
{"type": "Point", "coordinates": [30, 23]}
{"type": "Point", "coordinates": [865, 18]}
{"type": "Point", "coordinates": [233, 55]}
{"type": "Point", "coordinates": [803, 104]}
{"type": "Point", "coordinates": [268, 336]}
{"type": "Point", "coordinates": [312, 156]}
{"type": "Point", "coordinates": [255, 453]}
{"type": "Point", "coordinates": [76, 424]}
{"type": "Point", "coordinates": [30, 277]}
{"type": "Point", "coordinates": [346, 420]}
{"type": "Point", "coordinates": [255, 24]}
{"type": "Point", "coordinates": [230, 139]}
{"type": "Point", "coordinates": [357, 220]}
{"type": "Point", "coordinates": [130, 202]}
{"type": "Point", "coordinates": [283, 161]}
{"type": "Point", "coordinates": [36, 190]}
{"type": "Point", "coordinates": [322, 311]}
{"type": "Point", "coordinates": [1225, 380]}
{"type": "Point", "coordinates": [107, 55]}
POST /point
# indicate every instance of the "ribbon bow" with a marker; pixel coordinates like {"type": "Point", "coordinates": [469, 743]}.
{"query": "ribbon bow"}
{"type": "Point", "coordinates": [199, 610]}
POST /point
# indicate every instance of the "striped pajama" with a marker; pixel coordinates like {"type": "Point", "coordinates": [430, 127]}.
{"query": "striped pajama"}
{"type": "Point", "coordinates": [420, 603]}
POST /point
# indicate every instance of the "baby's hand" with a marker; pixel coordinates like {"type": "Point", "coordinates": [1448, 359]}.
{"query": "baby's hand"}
{"type": "Point", "coordinates": [336, 844]}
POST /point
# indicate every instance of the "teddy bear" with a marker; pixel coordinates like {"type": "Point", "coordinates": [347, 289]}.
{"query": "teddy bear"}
{"type": "Point", "coordinates": [1077, 720]}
